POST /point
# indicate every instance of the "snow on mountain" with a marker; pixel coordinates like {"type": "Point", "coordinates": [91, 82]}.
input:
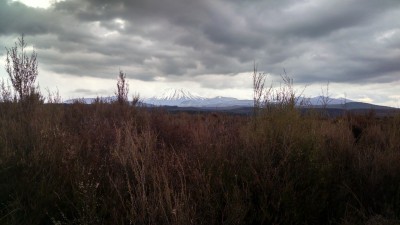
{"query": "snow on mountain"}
{"type": "Point", "coordinates": [217, 102]}
{"type": "Point", "coordinates": [173, 97]}
{"type": "Point", "coordinates": [184, 98]}
{"type": "Point", "coordinates": [178, 94]}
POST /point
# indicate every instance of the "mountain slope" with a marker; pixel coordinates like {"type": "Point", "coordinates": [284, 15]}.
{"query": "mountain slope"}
{"type": "Point", "coordinates": [217, 102]}
{"type": "Point", "coordinates": [177, 94]}
{"type": "Point", "coordinates": [184, 99]}
{"type": "Point", "coordinates": [173, 97]}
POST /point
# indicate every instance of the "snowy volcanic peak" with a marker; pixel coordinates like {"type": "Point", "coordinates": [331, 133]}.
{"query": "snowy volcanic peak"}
{"type": "Point", "coordinates": [183, 98]}
{"type": "Point", "coordinates": [177, 94]}
{"type": "Point", "coordinates": [173, 97]}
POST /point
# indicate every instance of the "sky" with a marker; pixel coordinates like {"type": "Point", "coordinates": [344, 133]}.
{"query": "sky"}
{"type": "Point", "coordinates": [209, 47]}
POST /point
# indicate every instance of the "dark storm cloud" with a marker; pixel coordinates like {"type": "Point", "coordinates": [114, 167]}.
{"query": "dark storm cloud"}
{"type": "Point", "coordinates": [18, 18]}
{"type": "Point", "coordinates": [329, 16]}
{"type": "Point", "coordinates": [341, 41]}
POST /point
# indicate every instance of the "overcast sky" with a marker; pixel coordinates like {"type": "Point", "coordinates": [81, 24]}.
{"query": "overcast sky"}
{"type": "Point", "coordinates": [209, 46]}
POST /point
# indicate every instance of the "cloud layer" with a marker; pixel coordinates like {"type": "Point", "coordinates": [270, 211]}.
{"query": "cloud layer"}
{"type": "Point", "coordinates": [343, 41]}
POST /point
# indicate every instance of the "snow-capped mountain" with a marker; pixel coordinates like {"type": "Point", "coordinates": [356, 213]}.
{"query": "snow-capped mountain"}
{"type": "Point", "coordinates": [178, 94]}
{"type": "Point", "coordinates": [218, 101]}
{"type": "Point", "coordinates": [173, 97]}
{"type": "Point", "coordinates": [184, 98]}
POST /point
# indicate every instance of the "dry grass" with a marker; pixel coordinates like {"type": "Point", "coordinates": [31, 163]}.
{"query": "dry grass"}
{"type": "Point", "coordinates": [118, 164]}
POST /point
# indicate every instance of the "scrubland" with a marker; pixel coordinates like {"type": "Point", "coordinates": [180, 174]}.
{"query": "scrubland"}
{"type": "Point", "coordinates": [121, 163]}
{"type": "Point", "coordinates": [114, 163]}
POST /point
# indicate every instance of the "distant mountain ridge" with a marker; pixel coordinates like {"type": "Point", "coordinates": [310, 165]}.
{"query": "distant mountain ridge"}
{"type": "Point", "coordinates": [91, 100]}
{"type": "Point", "coordinates": [322, 100]}
{"type": "Point", "coordinates": [182, 98]}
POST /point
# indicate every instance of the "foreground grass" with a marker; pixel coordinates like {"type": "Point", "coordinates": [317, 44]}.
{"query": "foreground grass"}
{"type": "Point", "coordinates": [115, 164]}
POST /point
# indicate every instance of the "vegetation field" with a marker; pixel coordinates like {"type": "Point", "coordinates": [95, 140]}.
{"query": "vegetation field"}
{"type": "Point", "coordinates": [112, 163]}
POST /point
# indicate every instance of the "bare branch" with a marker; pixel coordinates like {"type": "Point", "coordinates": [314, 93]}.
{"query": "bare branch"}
{"type": "Point", "coordinates": [122, 88]}
{"type": "Point", "coordinates": [22, 69]}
